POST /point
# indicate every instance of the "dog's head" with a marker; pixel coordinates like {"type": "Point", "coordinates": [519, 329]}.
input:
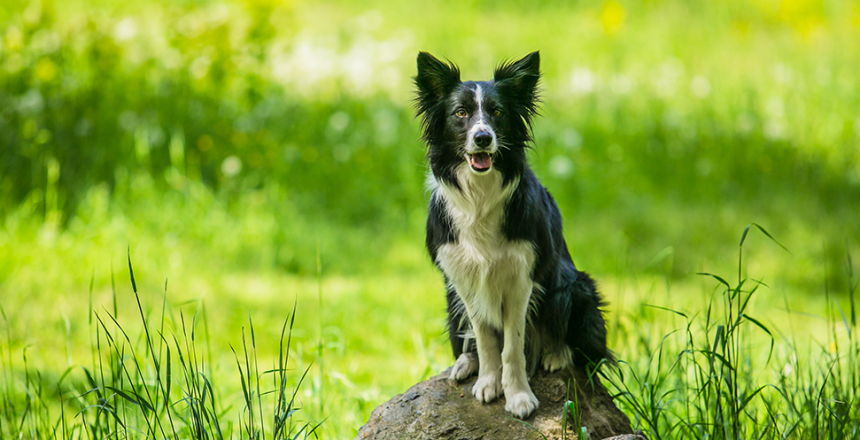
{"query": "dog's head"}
{"type": "Point", "coordinates": [485, 124]}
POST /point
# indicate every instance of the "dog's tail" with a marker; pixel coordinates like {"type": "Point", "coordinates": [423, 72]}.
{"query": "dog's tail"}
{"type": "Point", "coordinates": [586, 328]}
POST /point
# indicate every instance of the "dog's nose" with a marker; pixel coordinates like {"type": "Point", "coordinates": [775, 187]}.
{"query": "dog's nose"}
{"type": "Point", "coordinates": [483, 139]}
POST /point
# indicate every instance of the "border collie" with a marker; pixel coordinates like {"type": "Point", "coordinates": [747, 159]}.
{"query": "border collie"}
{"type": "Point", "coordinates": [496, 234]}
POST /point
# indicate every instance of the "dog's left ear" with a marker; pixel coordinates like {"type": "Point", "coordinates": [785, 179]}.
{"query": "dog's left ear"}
{"type": "Point", "coordinates": [518, 82]}
{"type": "Point", "coordinates": [522, 76]}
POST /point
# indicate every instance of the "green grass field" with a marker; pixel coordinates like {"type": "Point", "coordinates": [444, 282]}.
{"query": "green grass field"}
{"type": "Point", "coordinates": [252, 157]}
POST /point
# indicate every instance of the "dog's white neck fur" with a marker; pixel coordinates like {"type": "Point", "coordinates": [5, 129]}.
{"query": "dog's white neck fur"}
{"type": "Point", "coordinates": [482, 265]}
{"type": "Point", "coordinates": [479, 202]}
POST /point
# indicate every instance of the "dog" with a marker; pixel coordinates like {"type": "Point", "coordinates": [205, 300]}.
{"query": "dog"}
{"type": "Point", "coordinates": [496, 235]}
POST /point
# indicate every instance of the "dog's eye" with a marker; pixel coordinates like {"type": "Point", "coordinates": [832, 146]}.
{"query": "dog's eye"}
{"type": "Point", "coordinates": [461, 113]}
{"type": "Point", "coordinates": [497, 112]}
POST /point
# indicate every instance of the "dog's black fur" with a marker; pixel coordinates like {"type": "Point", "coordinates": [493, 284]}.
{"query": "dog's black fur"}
{"type": "Point", "coordinates": [564, 307]}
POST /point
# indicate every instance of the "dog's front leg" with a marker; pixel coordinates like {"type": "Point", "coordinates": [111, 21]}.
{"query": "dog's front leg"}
{"type": "Point", "coordinates": [521, 401]}
{"type": "Point", "coordinates": [489, 384]}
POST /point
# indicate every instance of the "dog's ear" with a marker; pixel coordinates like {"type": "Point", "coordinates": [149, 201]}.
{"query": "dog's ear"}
{"type": "Point", "coordinates": [523, 74]}
{"type": "Point", "coordinates": [435, 78]}
{"type": "Point", "coordinates": [519, 80]}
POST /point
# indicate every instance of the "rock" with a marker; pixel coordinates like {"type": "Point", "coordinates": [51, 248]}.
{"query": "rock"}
{"type": "Point", "coordinates": [435, 409]}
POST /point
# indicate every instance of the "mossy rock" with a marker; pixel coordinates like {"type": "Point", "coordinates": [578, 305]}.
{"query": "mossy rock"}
{"type": "Point", "coordinates": [437, 409]}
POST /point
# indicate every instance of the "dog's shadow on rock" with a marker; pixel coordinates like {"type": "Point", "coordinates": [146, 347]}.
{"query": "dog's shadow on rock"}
{"type": "Point", "coordinates": [436, 409]}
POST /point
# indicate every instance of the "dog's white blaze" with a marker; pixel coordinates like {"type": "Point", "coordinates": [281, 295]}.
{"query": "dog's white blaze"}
{"type": "Point", "coordinates": [479, 97]}
{"type": "Point", "coordinates": [492, 276]}
{"type": "Point", "coordinates": [480, 126]}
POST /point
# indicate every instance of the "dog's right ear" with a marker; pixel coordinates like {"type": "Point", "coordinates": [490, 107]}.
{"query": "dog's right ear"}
{"type": "Point", "coordinates": [435, 78]}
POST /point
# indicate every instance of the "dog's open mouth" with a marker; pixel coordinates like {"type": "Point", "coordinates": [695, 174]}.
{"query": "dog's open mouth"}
{"type": "Point", "coordinates": [480, 161]}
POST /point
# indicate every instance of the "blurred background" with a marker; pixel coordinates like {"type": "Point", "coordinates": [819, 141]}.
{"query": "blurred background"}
{"type": "Point", "coordinates": [255, 153]}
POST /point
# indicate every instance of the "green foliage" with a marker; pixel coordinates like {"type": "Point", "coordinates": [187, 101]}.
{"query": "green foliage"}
{"type": "Point", "coordinates": [228, 143]}
{"type": "Point", "coordinates": [648, 107]}
{"type": "Point", "coordinates": [726, 372]}
{"type": "Point", "coordinates": [713, 379]}
{"type": "Point", "coordinates": [158, 384]}
{"type": "Point", "coordinates": [188, 97]}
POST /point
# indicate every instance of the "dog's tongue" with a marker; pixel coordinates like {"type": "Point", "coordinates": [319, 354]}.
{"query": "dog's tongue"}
{"type": "Point", "coordinates": [480, 161]}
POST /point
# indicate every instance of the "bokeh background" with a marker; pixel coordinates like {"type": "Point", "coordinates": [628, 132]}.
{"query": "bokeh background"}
{"type": "Point", "coordinates": [249, 154]}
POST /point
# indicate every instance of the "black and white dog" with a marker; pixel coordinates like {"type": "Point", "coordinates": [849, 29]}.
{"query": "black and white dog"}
{"type": "Point", "coordinates": [496, 234]}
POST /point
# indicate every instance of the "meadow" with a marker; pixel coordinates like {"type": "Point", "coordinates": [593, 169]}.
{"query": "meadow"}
{"type": "Point", "coordinates": [211, 212]}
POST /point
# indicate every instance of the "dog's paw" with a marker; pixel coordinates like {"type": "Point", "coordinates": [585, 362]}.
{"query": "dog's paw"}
{"type": "Point", "coordinates": [487, 388]}
{"type": "Point", "coordinates": [557, 360]}
{"type": "Point", "coordinates": [466, 365]}
{"type": "Point", "coordinates": [521, 404]}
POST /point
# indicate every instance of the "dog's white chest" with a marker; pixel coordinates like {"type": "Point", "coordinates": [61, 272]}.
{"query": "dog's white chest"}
{"type": "Point", "coordinates": [484, 267]}
{"type": "Point", "coordinates": [485, 274]}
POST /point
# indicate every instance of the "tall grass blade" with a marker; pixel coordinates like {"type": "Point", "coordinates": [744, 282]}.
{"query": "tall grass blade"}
{"type": "Point", "coordinates": [131, 270]}
{"type": "Point", "coordinates": [716, 277]}
{"type": "Point", "coordinates": [763, 231]}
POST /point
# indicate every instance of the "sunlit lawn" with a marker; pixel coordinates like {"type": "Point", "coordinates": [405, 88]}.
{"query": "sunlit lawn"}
{"type": "Point", "coordinates": [252, 157]}
{"type": "Point", "coordinates": [381, 328]}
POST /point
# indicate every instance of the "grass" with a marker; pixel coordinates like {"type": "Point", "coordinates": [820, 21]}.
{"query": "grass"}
{"type": "Point", "coordinates": [755, 359]}
{"type": "Point", "coordinates": [332, 315]}
{"type": "Point", "coordinates": [264, 154]}
{"type": "Point", "coordinates": [571, 408]}
{"type": "Point", "coordinates": [676, 108]}
{"type": "Point", "coordinates": [725, 374]}
{"type": "Point", "coordinates": [156, 384]}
